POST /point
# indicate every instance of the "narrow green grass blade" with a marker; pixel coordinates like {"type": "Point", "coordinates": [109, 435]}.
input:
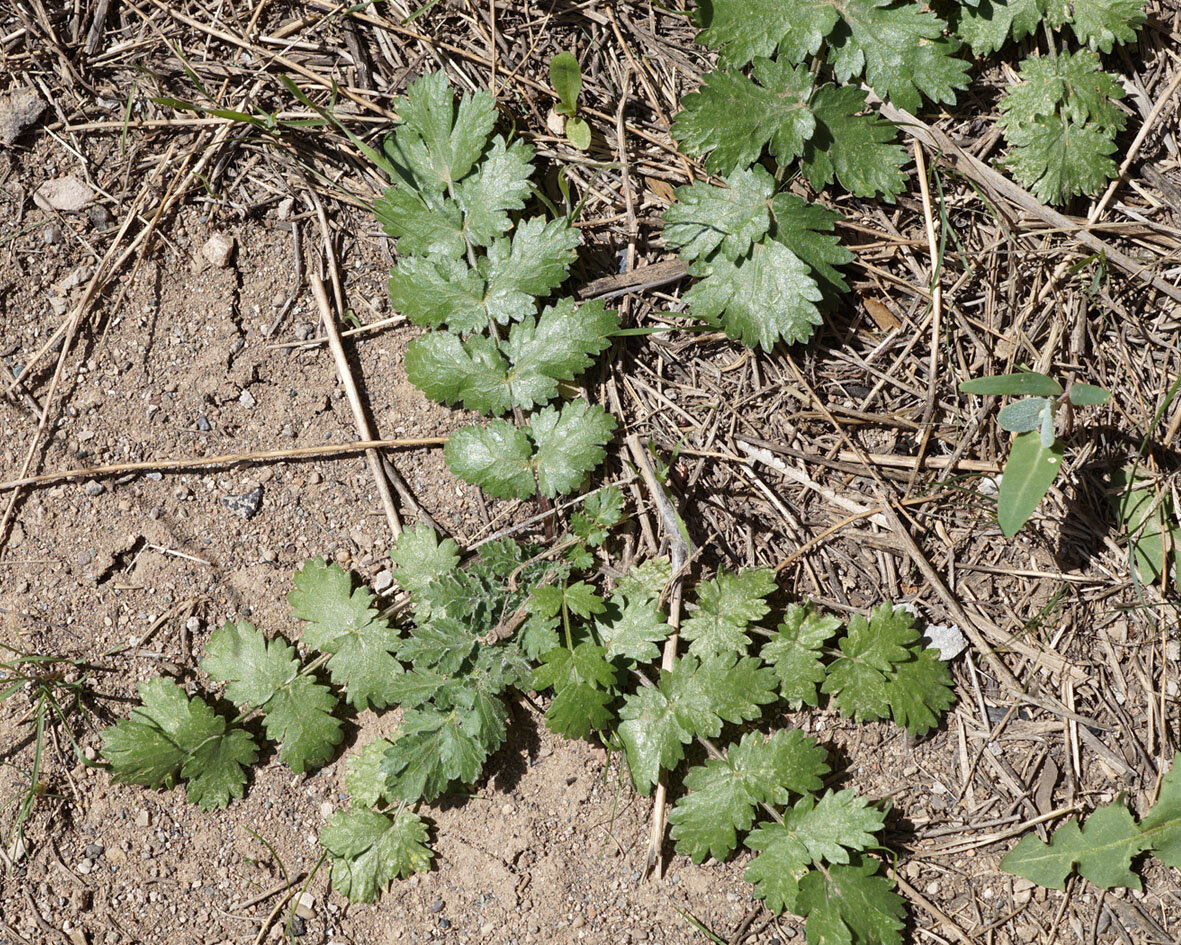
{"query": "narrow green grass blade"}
{"type": "Point", "coordinates": [1030, 470]}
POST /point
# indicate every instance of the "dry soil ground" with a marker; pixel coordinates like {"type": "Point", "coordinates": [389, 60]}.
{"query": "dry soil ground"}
{"type": "Point", "coordinates": [175, 356]}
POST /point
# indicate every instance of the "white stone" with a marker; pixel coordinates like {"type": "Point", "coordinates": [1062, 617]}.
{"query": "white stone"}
{"type": "Point", "coordinates": [68, 194]}
{"type": "Point", "coordinates": [218, 249]}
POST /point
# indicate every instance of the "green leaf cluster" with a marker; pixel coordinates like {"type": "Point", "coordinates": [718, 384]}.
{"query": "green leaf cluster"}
{"type": "Point", "coordinates": [467, 648]}
{"type": "Point", "coordinates": [368, 849]}
{"type": "Point", "coordinates": [511, 618]}
{"type": "Point", "coordinates": [809, 855]}
{"type": "Point", "coordinates": [474, 269]}
{"type": "Point", "coordinates": [987, 25]}
{"type": "Point", "coordinates": [768, 262]}
{"type": "Point", "coordinates": [809, 110]}
{"type": "Point", "coordinates": [877, 668]}
{"type": "Point", "coordinates": [810, 850]}
{"type": "Point", "coordinates": [1060, 121]}
{"type": "Point", "coordinates": [732, 118]}
{"type": "Point", "coordinates": [1102, 848]}
{"type": "Point", "coordinates": [765, 262]}
{"type": "Point", "coordinates": [900, 49]}
{"type": "Point", "coordinates": [265, 676]}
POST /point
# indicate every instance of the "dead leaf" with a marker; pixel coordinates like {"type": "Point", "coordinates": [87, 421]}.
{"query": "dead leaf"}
{"type": "Point", "coordinates": [661, 188]}
{"type": "Point", "coordinates": [881, 315]}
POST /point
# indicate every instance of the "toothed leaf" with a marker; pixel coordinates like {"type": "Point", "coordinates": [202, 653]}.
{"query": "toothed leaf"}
{"type": "Point", "coordinates": [369, 850]}
{"type": "Point", "coordinates": [170, 735]}
{"type": "Point", "coordinates": [496, 458]}
{"type": "Point", "coordinates": [851, 904]}
{"type": "Point", "coordinates": [729, 219]}
{"type": "Point", "coordinates": [731, 118]}
{"type": "Point", "coordinates": [341, 620]}
{"type": "Point", "coordinates": [901, 49]}
{"type": "Point", "coordinates": [726, 607]}
{"type": "Point", "coordinates": [723, 793]}
{"type": "Point", "coordinates": [767, 296]}
{"type": "Point", "coordinates": [633, 628]}
{"type": "Point", "coordinates": [570, 443]}
{"type": "Point", "coordinates": [859, 151]}
{"type": "Point", "coordinates": [795, 653]}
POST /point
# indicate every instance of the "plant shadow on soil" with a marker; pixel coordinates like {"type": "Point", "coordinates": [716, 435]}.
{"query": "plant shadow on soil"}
{"type": "Point", "coordinates": [1091, 504]}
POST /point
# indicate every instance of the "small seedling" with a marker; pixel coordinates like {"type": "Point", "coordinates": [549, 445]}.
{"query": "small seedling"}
{"type": "Point", "coordinates": [54, 685]}
{"type": "Point", "coordinates": [566, 78]}
{"type": "Point", "coordinates": [1036, 455]}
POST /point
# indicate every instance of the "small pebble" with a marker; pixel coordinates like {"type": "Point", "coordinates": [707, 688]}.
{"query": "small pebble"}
{"type": "Point", "coordinates": [246, 399]}
{"type": "Point", "coordinates": [245, 505]}
{"type": "Point", "coordinates": [95, 850]}
{"type": "Point", "coordinates": [52, 234]}
{"type": "Point", "coordinates": [84, 867]}
{"type": "Point", "coordinates": [100, 217]}
{"type": "Point", "coordinates": [304, 330]}
{"type": "Point", "coordinates": [383, 581]}
{"type": "Point", "coordinates": [299, 928]}
{"type": "Point", "coordinates": [218, 249]}
{"type": "Point", "coordinates": [444, 924]}
{"type": "Point", "coordinates": [193, 624]}
{"type": "Point", "coordinates": [143, 819]}
{"type": "Point", "coordinates": [93, 487]}
{"type": "Point", "coordinates": [437, 906]}
{"type": "Point", "coordinates": [305, 906]}
{"type": "Point", "coordinates": [155, 476]}
{"type": "Point", "coordinates": [203, 423]}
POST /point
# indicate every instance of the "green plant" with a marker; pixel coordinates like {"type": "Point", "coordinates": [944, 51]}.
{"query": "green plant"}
{"type": "Point", "coordinates": [473, 271]}
{"type": "Point", "coordinates": [1102, 848]}
{"type": "Point", "coordinates": [516, 618]}
{"type": "Point", "coordinates": [54, 686]}
{"type": "Point", "coordinates": [566, 78]}
{"type": "Point", "coordinates": [1061, 118]}
{"type": "Point", "coordinates": [767, 258]}
{"type": "Point", "coordinates": [766, 262]}
{"type": "Point", "coordinates": [1060, 121]}
{"type": "Point", "coordinates": [786, 85]}
{"type": "Point", "coordinates": [986, 25]}
{"type": "Point", "coordinates": [1035, 457]}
